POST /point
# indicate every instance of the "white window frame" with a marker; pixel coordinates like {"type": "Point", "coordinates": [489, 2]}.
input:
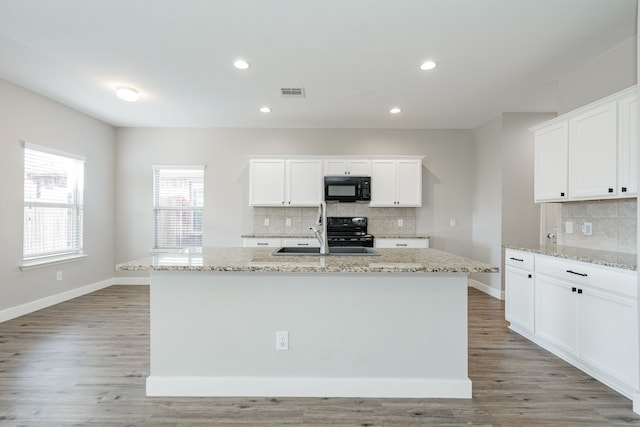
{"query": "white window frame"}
{"type": "Point", "coordinates": [159, 209]}
{"type": "Point", "coordinates": [74, 249]}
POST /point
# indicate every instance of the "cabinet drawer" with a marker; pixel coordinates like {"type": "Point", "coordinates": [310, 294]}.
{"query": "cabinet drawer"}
{"type": "Point", "coordinates": [402, 243]}
{"type": "Point", "coordinates": [261, 242]}
{"type": "Point", "coordinates": [311, 243]}
{"type": "Point", "coordinates": [519, 259]}
{"type": "Point", "coordinates": [615, 280]}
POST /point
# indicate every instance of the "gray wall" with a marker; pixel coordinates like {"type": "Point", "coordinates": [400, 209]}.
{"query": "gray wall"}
{"type": "Point", "coordinates": [27, 116]}
{"type": "Point", "coordinates": [611, 72]}
{"type": "Point", "coordinates": [447, 176]}
{"type": "Point", "coordinates": [503, 209]}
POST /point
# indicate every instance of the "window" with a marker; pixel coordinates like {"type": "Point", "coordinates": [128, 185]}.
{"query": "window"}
{"type": "Point", "coordinates": [178, 200]}
{"type": "Point", "coordinates": [53, 205]}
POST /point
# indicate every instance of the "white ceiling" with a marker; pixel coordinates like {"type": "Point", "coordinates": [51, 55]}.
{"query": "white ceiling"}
{"type": "Point", "coordinates": [355, 58]}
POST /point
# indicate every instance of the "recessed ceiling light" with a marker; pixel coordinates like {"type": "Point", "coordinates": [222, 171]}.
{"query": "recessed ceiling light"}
{"type": "Point", "coordinates": [128, 94]}
{"type": "Point", "coordinates": [265, 110]}
{"type": "Point", "coordinates": [395, 110]}
{"type": "Point", "coordinates": [428, 65]}
{"type": "Point", "coordinates": [241, 64]}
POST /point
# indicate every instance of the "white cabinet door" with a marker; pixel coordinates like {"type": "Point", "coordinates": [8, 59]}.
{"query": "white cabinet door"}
{"type": "Point", "coordinates": [551, 163]}
{"type": "Point", "coordinates": [396, 183]}
{"type": "Point", "coordinates": [519, 297]}
{"type": "Point", "coordinates": [267, 182]}
{"type": "Point", "coordinates": [303, 182]}
{"type": "Point", "coordinates": [593, 153]}
{"type": "Point", "coordinates": [608, 334]}
{"type": "Point", "coordinates": [556, 312]}
{"type": "Point", "coordinates": [354, 167]}
{"type": "Point", "coordinates": [359, 167]}
{"type": "Point", "coordinates": [628, 146]}
{"type": "Point", "coordinates": [280, 182]}
{"type": "Point", "coordinates": [383, 183]}
{"type": "Point", "coordinates": [304, 242]}
{"type": "Point", "coordinates": [409, 183]}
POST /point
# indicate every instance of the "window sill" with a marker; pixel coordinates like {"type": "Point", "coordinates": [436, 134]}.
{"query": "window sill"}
{"type": "Point", "coordinates": [44, 262]}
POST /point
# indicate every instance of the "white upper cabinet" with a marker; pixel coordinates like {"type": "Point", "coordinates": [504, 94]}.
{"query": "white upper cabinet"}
{"type": "Point", "coordinates": [353, 167]}
{"type": "Point", "coordinates": [266, 186]}
{"type": "Point", "coordinates": [593, 151]}
{"type": "Point", "coordinates": [396, 183]}
{"type": "Point", "coordinates": [628, 146]}
{"type": "Point", "coordinates": [280, 182]}
{"type": "Point", "coordinates": [551, 163]}
{"type": "Point", "coordinates": [590, 153]}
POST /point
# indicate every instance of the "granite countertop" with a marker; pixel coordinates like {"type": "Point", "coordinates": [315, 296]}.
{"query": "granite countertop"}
{"type": "Point", "coordinates": [608, 258]}
{"type": "Point", "coordinates": [260, 259]}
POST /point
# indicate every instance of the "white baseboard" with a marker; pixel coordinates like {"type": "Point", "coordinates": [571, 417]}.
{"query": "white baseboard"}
{"type": "Point", "coordinates": [30, 307]}
{"type": "Point", "coordinates": [131, 280]}
{"type": "Point", "coordinates": [308, 387]}
{"type": "Point", "coordinates": [496, 293]}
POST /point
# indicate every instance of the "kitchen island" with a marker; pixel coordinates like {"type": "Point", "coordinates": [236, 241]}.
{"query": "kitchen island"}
{"type": "Point", "coordinates": [393, 325]}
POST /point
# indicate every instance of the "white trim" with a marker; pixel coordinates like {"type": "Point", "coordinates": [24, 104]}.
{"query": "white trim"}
{"type": "Point", "coordinates": [309, 387]}
{"type": "Point", "coordinates": [30, 307]}
{"type": "Point", "coordinates": [131, 281]}
{"type": "Point", "coordinates": [636, 403]}
{"type": "Point", "coordinates": [498, 294]}
{"type": "Point", "coordinates": [53, 151]}
{"type": "Point", "coordinates": [50, 260]}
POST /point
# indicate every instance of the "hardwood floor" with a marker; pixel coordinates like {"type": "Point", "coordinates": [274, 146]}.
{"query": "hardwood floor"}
{"type": "Point", "coordinates": [84, 362]}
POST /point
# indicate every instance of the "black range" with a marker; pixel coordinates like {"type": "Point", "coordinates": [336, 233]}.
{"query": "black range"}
{"type": "Point", "coordinates": [348, 231]}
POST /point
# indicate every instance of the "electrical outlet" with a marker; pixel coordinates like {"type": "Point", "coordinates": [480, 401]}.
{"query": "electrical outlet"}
{"type": "Point", "coordinates": [400, 222]}
{"type": "Point", "coordinates": [452, 222]}
{"type": "Point", "coordinates": [587, 228]}
{"type": "Point", "coordinates": [266, 222]}
{"type": "Point", "coordinates": [282, 340]}
{"type": "Point", "coordinates": [568, 227]}
{"type": "Point", "coordinates": [58, 276]}
{"type": "Point", "coordinates": [288, 222]}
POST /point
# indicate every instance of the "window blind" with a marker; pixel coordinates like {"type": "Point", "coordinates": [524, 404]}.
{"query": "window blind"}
{"type": "Point", "coordinates": [178, 201]}
{"type": "Point", "coordinates": [53, 203]}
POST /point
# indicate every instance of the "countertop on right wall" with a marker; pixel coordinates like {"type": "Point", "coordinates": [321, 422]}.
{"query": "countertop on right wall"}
{"type": "Point", "coordinates": [628, 261]}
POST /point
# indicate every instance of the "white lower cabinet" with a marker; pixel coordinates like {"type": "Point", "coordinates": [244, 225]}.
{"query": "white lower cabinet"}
{"type": "Point", "coordinates": [584, 313]}
{"type": "Point", "coordinates": [383, 242]}
{"type": "Point", "coordinates": [519, 304]}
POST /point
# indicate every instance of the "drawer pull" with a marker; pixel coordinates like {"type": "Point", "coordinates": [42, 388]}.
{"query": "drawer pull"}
{"type": "Point", "coordinates": [517, 259]}
{"type": "Point", "coordinates": [576, 273]}
{"type": "Point", "coordinates": [303, 244]}
{"type": "Point", "coordinates": [401, 244]}
{"type": "Point", "coordinates": [263, 244]}
{"type": "Point", "coordinates": [529, 276]}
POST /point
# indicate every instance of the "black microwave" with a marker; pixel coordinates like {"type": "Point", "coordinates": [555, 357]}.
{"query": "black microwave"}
{"type": "Point", "coordinates": [350, 189]}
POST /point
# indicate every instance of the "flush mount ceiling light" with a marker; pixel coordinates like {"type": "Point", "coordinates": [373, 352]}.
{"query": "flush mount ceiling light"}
{"type": "Point", "coordinates": [128, 94]}
{"type": "Point", "coordinates": [428, 65]}
{"type": "Point", "coordinates": [265, 110]}
{"type": "Point", "coordinates": [241, 64]}
{"type": "Point", "coordinates": [395, 110]}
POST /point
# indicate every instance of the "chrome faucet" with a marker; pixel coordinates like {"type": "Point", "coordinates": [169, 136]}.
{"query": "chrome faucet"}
{"type": "Point", "coordinates": [320, 230]}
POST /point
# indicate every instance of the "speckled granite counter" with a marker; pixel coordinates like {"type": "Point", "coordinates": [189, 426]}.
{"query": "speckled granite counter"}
{"type": "Point", "coordinates": [611, 259]}
{"type": "Point", "coordinates": [260, 259]}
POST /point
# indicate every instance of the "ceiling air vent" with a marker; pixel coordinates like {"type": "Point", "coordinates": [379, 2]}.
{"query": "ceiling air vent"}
{"type": "Point", "coordinates": [292, 92]}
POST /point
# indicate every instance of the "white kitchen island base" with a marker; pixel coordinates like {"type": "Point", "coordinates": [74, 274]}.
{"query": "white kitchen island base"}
{"type": "Point", "coordinates": [350, 334]}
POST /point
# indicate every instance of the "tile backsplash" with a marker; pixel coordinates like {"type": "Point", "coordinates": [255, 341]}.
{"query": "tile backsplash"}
{"type": "Point", "coordinates": [296, 221]}
{"type": "Point", "coordinates": [613, 223]}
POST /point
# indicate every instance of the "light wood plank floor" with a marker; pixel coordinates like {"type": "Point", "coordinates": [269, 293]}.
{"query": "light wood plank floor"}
{"type": "Point", "coordinates": [84, 362]}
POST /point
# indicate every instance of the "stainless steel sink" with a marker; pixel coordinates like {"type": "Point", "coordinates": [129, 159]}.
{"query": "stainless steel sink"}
{"type": "Point", "coordinates": [333, 251]}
